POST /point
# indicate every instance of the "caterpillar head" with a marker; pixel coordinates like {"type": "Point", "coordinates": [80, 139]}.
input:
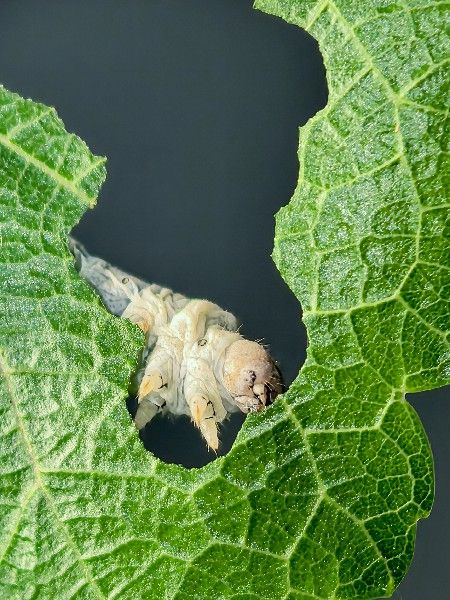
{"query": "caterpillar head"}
{"type": "Point", "coordinates": [251, 376]}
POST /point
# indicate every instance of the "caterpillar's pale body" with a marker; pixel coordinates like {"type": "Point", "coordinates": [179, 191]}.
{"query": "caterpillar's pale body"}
{"type": "Point", "coordinates": [194, 361]}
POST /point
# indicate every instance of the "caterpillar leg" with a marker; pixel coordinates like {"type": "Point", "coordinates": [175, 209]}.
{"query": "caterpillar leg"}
{"type": "Point", "coordinates": [174, 340]}
{"type": "Point", "coordinates": [203, 399]}
{"type": "Point", "coordinates": [147, 409]}
{"type": "Point", "coordinates": [203, 415]}
{"type": "Point", "coordinates": [151, 382]}
{"type": "Point", "coordinates": [159, 370]}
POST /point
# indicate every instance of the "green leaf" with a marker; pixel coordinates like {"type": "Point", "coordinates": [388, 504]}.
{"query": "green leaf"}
{"type": "Point", "coordinates": [320, 495]}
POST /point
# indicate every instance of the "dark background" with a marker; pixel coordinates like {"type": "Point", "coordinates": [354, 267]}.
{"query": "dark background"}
{"type": "Point", "coordinates": [196, 103]}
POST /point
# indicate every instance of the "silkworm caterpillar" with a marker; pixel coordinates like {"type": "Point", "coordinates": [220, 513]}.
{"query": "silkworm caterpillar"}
{"type": "Point", "coordinates": [194, 361]}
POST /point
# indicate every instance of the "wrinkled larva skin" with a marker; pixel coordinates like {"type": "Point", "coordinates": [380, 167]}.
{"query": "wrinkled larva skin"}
{"type": "Point", "coordinates": [194, 361]}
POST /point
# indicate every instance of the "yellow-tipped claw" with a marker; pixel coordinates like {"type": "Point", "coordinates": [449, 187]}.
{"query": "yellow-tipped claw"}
{"type": "Point", "coordinates": [198, 408]}
{"type": "Point", "coordinates": [150, 383]}
{"type": "Point", "coordinates": [208, 427]}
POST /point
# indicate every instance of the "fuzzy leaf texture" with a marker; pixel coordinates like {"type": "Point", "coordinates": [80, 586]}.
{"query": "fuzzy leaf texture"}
{"type": "Point", "coordinates": [320, 495]}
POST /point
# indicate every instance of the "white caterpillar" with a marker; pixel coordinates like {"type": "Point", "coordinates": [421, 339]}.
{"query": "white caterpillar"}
{"type": "Point", "coordinates": [194, 361]}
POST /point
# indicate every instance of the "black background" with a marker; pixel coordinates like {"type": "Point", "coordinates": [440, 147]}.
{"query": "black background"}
{"type": "Point", "coordinates": [196, 103]}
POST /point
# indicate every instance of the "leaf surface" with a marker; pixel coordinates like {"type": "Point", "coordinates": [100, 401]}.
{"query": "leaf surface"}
{"type": "Point", "coordinates": [320, 495]}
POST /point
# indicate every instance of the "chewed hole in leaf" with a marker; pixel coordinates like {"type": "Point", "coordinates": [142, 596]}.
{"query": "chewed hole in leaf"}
{"type": "Point", "coordinates": [192, 207]}
{"type": "Point", "coordinates": [321, 494]}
